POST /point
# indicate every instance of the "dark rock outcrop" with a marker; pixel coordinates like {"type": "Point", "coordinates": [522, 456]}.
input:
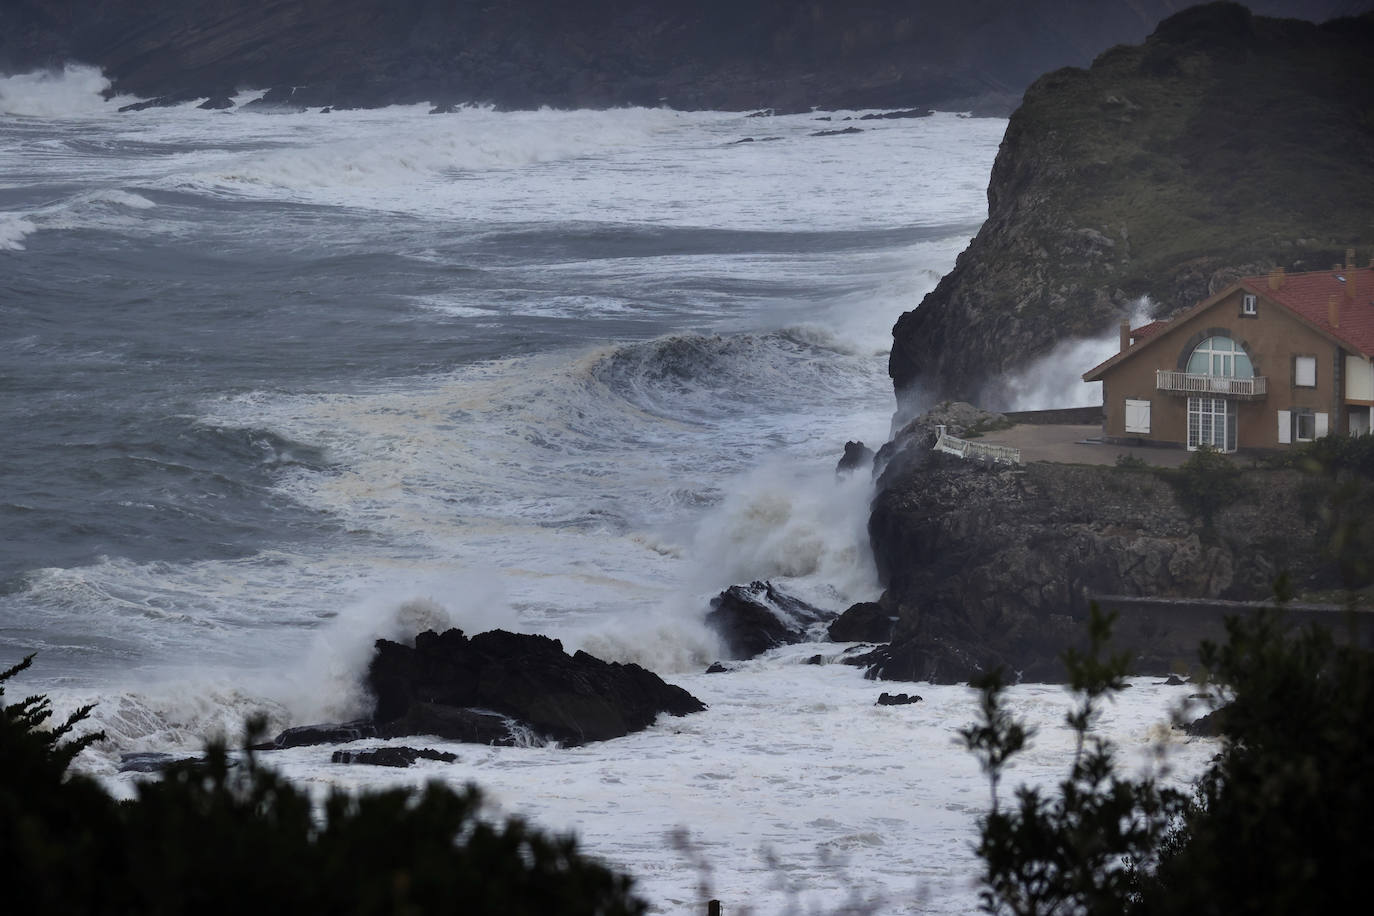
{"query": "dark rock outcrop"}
{"type": "Point", "coordinates": [987, 566]}
{"type": "Point", "coordinates": [866, 621]}
{"type": "Point", "coordinates": [307, 735]}
{"type": "Point", "coordinates": [751, 619]}
{"type": "Point", "coordinates": [529, 679]}
{"type": "Point", "coordinates": [1210, 725]}
{"type": "Point", "coordinates": [897, 699]}
{"type": "Point", "coordinates": [893, 115]}
{"type": "Point", "coordinates": [1223, 146]}
{"type": "Point", "coordinates": [456, 723]}
{"type": "Point", "coordinates": [718, 54]}
{"type": "Point", "coordinates": [392, 756]}
{"type": "Point", "coordinates": [857, 456]}
{"type": "Point", "coordinates": [910, 449]}
{"type": "Point", "coordinates": [149, 762]}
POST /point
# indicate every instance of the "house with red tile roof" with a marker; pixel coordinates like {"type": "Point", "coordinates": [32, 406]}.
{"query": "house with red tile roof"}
{"type": "Point", "coordinates": [1266, 363]}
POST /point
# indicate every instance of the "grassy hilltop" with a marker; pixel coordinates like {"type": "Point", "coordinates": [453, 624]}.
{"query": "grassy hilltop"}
{"type": "Point", "coordinates": [1226, 144]}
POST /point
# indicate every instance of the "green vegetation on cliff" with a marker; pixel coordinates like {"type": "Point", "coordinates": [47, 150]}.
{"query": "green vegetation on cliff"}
{"type": "Point", "coordinates": [1226, 144]}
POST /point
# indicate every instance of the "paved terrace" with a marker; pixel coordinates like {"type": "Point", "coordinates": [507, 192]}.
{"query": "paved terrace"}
{"type": "Point", "coordinates": [1076, 444]}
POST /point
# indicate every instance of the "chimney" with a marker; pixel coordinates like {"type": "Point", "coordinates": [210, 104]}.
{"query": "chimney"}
{"type": "Point", "coordinates": [1276, 278]}
{"type": "Point", "coordinates": [1350, 259]}
{"type": "Point", "coordinates": [1333, 311]}
{"type": "Point", "coordinates": [1125, 336]}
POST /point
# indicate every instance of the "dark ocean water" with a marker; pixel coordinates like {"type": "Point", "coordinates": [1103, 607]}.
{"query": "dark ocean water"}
{"type": "Point", "coordinates": [257, 372]}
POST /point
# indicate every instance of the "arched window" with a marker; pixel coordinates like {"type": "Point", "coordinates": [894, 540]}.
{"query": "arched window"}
{"type": "Point", "coordinates": [1220, 356]}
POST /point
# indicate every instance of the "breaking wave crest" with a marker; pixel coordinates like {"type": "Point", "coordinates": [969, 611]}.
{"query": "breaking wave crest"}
{"type": "Point", "coordinates": [702, 377]}
{"type": "Point", "coordinates": [73, 91]}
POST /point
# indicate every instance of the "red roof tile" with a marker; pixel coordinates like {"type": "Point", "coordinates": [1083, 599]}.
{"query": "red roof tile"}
{"type": "Point", "coordinates": [1146, 330]}
{"type": "Point", "coordinates": [1309, 295]}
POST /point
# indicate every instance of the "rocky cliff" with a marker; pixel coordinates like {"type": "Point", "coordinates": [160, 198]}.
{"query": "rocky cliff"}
{"type": "Point", "coordinates": [1224, 145]}
{"type": "Point", "coordinates": [726, 54]}
{"type": "Point", "coordinates": [991, 565]}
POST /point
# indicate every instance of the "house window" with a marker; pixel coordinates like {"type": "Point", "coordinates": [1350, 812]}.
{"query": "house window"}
{"type": "Point", "coordinates": [1220, 356]}
{"type": "Point", "coordinates": [1212, 421]}
{"type": "Point", "coordinates": [1248, 304]}
{"type": "Point", "coordinates": [1302, 425]}
{"type": "Point", "coordinates": [1305, 371]}
{"type": "Point", "coordinates": [1137, 416]}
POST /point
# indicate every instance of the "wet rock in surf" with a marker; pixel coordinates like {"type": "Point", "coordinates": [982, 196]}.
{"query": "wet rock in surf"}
{"type": "Point", "coordinates": [862, 622]}
{"type": "Point", "coordinates": [895, 699]}
{"type": "Point", "coordinates": [152, 762]}
{"type": "Point", "coordinates": [307, 735]}
{"type": "Point", "coordinates": [456, 723]}
{"type": "Point", "coordinates": [753, 618]}
{"type": "Point", "coordinates": [392, 756]}
{"type": "Point", "coordinates": [856, 457]}
{"type": "Point", "coordinates": [529, 679]}
{"type": "Point", "coordinates": [891, 115]}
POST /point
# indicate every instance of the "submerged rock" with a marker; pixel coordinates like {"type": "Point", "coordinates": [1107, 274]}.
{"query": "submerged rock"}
{"type": "Point", "coordinates": [894, 115]}
{"type": "Point", "coordinates": [150, 762]}
{"type": "Point", "coordinates": [447, 678]}
{"type": "Point", "coordinates": [307, 735]}
{"type": "Point", "coordinates": [897, 699]}
{"type": "Point", "coordinates": [751, 619]}
{"type": "Point", "coordinates": [456, 723]}
{"type": "Point", "coordinates": [392, 756]}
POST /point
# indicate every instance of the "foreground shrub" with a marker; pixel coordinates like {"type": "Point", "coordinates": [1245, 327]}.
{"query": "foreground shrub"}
{"type": "Point", "coordinates": [1279, 823]}
{"type": "Point", "coordinates": [225, 834]}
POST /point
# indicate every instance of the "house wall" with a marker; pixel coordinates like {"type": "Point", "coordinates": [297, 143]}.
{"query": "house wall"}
{"type": "Point", "coordinates": [1272, 338]}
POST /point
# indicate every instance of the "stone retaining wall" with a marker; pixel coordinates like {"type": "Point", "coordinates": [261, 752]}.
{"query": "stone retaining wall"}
{"type": "Point", "coordinates": [1067, 416]}
{"type": "Point", "coordinates": [1165, 632]}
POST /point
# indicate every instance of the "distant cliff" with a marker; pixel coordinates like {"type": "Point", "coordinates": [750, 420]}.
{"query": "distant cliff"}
{"type": "Point", "coordinates": [1224, 145]}
{"type": "Point", "coordinates": [724, 54]}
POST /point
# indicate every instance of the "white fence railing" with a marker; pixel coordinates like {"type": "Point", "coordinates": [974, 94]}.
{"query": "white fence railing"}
{"type": "Point", "coordinates": [952, 445]}
{"type": "Point", "coordinates": [1191, 383]}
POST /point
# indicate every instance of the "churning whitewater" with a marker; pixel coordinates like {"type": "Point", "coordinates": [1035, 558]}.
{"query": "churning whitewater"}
{"type": "Point", "coordinates": [280, 384]}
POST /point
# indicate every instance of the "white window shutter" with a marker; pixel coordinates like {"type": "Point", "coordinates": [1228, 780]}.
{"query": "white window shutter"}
{"type": "Point", "coordinates": [1321, 425]}
{"type": "Point", "coordinates": [1137, 416]}
{"type": "Point", "coordinates": [1285, 427]}
{"type": "Point", "coordinates": [1305, 371]}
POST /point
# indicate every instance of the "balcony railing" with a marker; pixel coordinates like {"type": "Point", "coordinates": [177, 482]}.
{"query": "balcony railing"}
{"type": "Point", "coordinates": [1216, 385]}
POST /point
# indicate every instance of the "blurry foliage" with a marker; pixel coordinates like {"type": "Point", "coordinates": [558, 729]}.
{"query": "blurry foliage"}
{"type": "Point", "coordinates": [1339, 492]}
{"type": "Point", "coordinates": [1279, 822]}
{"type": "Point", "coordinates": [1205, 484]}
{"type": "Point", "coordinates": [1131, 462]}
{"type": "Point", "coordinates": [221, 834]}
{"type": "Point", "coordinates": [1064, 852]}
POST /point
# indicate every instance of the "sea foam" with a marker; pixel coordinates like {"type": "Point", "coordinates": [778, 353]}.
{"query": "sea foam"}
{"type": "Point", "coordinates": [74, 91]}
